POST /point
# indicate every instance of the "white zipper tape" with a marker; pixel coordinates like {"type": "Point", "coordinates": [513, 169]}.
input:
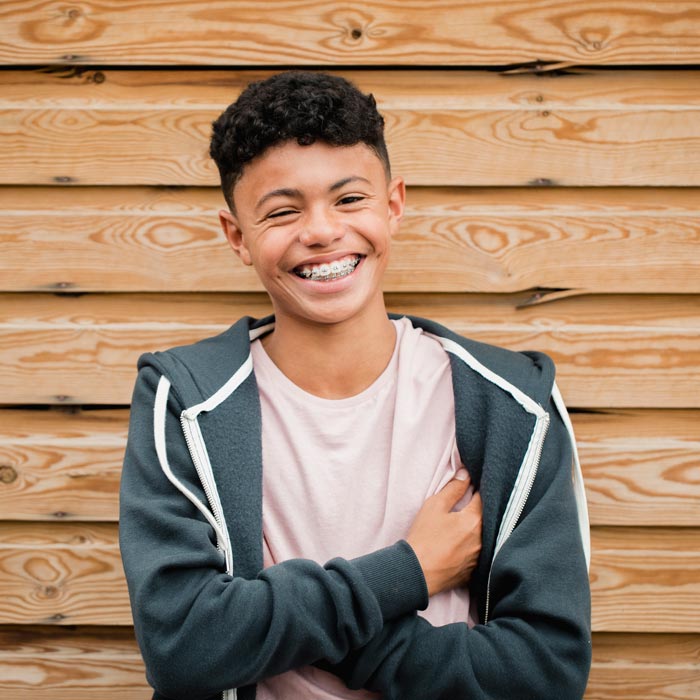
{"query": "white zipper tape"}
{"type": "Point", "coordinates": [159, 415]}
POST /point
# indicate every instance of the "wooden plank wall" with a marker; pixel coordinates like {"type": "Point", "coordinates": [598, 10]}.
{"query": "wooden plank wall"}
{"type": "Point", "coordinates": [552, 154]}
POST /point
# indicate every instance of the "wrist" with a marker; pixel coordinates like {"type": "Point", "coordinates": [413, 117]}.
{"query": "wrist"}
{"type": "Point", "coordinates": [395, 576]}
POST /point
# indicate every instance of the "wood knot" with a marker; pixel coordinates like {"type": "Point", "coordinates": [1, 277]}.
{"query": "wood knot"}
{"type": "Point", "coordinates": [356, 33]}
{"type": "Point", "coordinates": [50, 591]}
{"type": "Point", "coordinates": [8, 474]}
{"type": "Point", "coordinates": [98, 77]}
{"type": "Point", "coordinates": [73, 13]}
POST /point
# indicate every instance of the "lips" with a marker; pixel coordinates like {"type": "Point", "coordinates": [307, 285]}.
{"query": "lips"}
{"type": "Point", "coordinates": [326, 271]}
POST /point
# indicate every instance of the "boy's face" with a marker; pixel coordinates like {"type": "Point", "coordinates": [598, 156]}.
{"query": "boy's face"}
{"type": "Point", "coordinates": [316, 222]}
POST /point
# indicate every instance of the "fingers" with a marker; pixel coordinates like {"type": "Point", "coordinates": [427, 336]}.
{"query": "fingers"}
{"type": "Point", "coordinates": [454, 490]}
{"type": "Point", "coordinates": [475, 503]}
{"type": "Point", "coordinates": [471, 515]}
{"type": "Point", "coordinates": [473, 509]}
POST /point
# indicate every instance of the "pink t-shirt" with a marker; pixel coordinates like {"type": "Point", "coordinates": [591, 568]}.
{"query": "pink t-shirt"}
{"type": "Point", "coordinates": [345, 477]}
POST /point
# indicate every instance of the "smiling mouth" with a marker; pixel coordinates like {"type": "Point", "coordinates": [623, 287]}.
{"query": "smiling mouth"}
{"type": "Point", "coordinates": [324, 272]}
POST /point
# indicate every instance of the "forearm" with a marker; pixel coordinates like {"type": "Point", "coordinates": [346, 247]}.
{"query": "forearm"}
{"type": "Point", "coordinates": [410, 659]}
{"type": "Point", "coordinates": [537, 641]}
{"type": "Point", "coordinates": [202, 630]}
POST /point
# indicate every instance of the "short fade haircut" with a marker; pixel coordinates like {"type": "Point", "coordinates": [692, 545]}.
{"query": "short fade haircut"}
{"type": "Point", "coordinates": [295, 105]}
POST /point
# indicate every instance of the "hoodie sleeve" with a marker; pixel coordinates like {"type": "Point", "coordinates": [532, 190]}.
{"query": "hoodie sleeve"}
{"type": "Point", "coordinates": [537, 640]}
{"type": "Point", "coordinates": [202, 630]}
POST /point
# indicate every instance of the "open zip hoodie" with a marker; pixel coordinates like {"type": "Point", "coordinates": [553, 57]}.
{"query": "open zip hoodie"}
{"type": "Point", "coordinates": [209, 619]}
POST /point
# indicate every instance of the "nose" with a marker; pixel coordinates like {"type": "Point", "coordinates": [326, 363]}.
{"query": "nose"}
{"type": "Point", "coordinates": [320, 228]}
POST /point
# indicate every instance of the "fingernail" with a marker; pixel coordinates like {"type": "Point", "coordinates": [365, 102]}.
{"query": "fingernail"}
{"type": "Point", "coordinates": [461, 475]}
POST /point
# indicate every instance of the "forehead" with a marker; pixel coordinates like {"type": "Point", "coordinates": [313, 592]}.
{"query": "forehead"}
{"type": "Point", "coordinates": [316, 166]}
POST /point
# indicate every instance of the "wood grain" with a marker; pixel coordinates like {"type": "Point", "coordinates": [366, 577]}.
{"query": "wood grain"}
{"type": "Point", "coordinates": [60, 663]}
{"type": "Point", "coordinates": [78, 128]}
{"type": "Point", "coordinates": [301, 32]}
{"type": "Point", "coordinates": [77, 87]}
{"type": "Point", "coordinates": [61, 465]}
{"type": "Point", "coordinates": [640, 467]}
{"type": "Point", "coordinates": [71, 574]}
{"type": "Point", "coordinates": [649, 666]}
{"type": "Point", "coordinates": [66, 574]}
{"type": "Point", "coordinates": [627, 564]}
{"type": "Point", "coordinates": [623, 351]}
{"type": "Point", "coordinates": [451, 240]}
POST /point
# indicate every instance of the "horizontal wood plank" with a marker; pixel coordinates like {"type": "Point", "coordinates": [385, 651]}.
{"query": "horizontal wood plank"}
{"type": "Point", "coordinates": [68, 574]}
{"type": "Point", "coordinates": [478, 129]}
{"type": "Point", "coordinates": [622, 351]}
{"type": "Point", "coordinates": [648, 666]}
{"type": "Point", "coordinates": [451, 240]}
{"type": "Point", "coordinates": [59, 663]}
{"type": "Point", "coordinates": [640, 467]}
{"type": "Point", "coordinates": [379, 32]}
{"type": "Point", "coordinates": [72, 574]}
{"type": "Point", "coordinates": [628, 564]}
{"type": "Point", "coordinates": [61, 465]}
{"type": "Point", "coordinates": [64, 87]}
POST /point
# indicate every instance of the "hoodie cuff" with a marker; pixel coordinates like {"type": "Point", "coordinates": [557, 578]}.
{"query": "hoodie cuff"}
{"type": "Point", "coordinates": [396, 578]}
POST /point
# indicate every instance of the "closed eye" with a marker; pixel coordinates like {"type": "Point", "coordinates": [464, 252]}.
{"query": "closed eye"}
{"type": "Point", "coordinates": [278, 214]}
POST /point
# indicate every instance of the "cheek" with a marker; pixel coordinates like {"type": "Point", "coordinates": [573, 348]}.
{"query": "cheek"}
{"type": "Point", "coordinates": [271, 258]}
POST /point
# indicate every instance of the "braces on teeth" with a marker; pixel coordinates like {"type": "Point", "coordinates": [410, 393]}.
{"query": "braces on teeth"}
{"type": "Point", "coordinates": [330, 271]}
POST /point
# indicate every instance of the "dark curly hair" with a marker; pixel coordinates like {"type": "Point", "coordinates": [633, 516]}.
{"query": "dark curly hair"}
{"type": "Point", "coordinates": [299, 105]}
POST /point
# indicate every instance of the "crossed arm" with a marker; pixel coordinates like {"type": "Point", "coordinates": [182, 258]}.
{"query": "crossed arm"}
{"type": "Point", "coordinates": [355, 618]}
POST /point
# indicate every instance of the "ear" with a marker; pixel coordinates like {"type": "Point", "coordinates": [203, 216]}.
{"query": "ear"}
{"type": "Point", "coordinates": [234, 235]}
{"type": "Point", "coordinates": [396, 192]}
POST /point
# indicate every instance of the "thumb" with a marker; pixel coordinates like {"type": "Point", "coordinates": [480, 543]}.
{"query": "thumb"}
{"type": "Point", "coordinates": [453, 491]}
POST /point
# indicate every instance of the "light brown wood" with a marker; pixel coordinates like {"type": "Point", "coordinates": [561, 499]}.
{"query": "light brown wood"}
{"type": "Point", "coordinates": [622, 351]}
{"type": "Point", "coordinates": [640, 467]}
{"type": "Point", "coordinates": [627, 564]}
{"type": "Point", "coordinates": [58, 663]}
{"type": "Point", "coordinates": [451, 240]}
{"type": "Point", "coordinates": [299, 32]}
{"type": "Point", "coordinates": [61, 465]}
{"type": "Point", "coordinates": [648, 666]}
{"type": "Point", "coordinates": [455, 128]}
{"type": "Point", "coordinates": [71, 574]}
{"type": "Point", "coordinates": [65, 574]}
{"type": "Point", "coordinates": [75, 664]}
{"type": "Point", "coordinates": [75, 87]}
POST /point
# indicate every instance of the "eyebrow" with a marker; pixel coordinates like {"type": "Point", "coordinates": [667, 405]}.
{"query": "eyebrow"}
{"type": "Point", "coordinates": [281, 192]}
{"type": "Point", "coordinates": [347, 181]}
{"type": "Point", "coordinates": [292, 192]}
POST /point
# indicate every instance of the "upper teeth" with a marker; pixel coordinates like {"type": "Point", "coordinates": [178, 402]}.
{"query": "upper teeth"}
{"type": "Point", "coordinates": [329, 271]}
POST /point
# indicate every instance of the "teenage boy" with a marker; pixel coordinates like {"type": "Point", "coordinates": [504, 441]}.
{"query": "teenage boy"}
{"type": "Point", "coordinates": [332, 432]}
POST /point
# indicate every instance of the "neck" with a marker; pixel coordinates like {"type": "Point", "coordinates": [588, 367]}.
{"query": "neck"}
{"type": "Point", "coordinates": [332, 361]}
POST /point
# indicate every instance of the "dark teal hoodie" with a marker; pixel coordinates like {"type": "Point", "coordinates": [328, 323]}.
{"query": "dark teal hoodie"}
{"type": "Point", "coordinates": [209, 618]}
